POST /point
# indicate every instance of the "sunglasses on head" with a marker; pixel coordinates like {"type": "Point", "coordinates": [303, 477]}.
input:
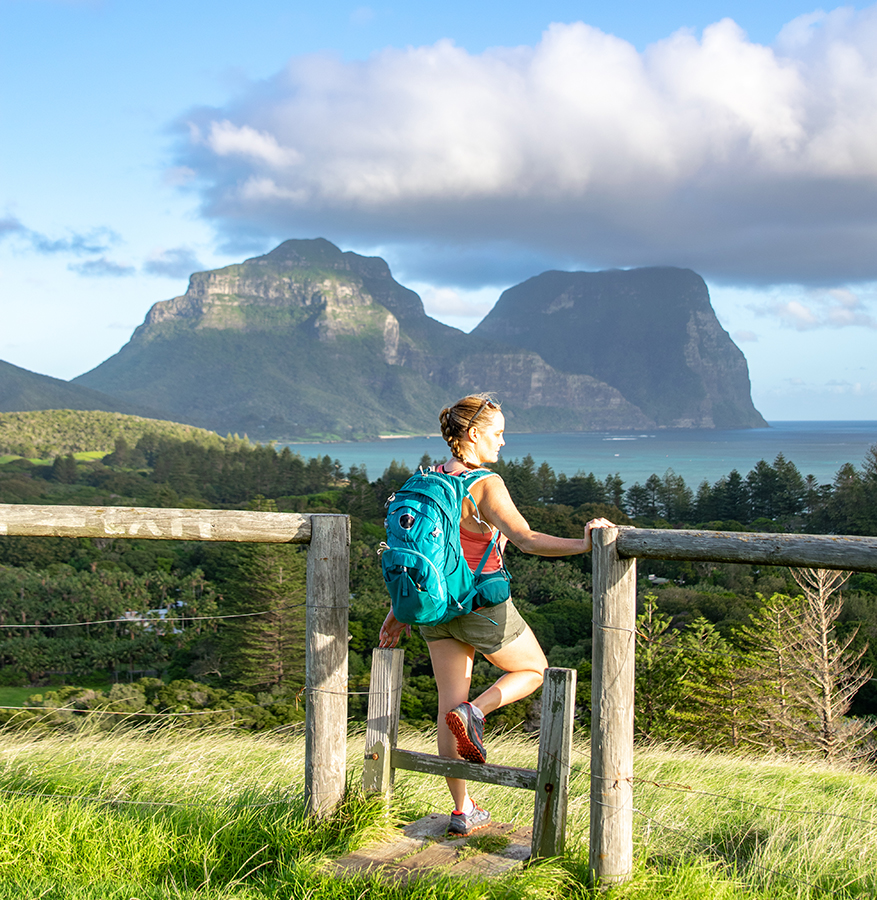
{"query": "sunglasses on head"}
{"type": "Point", "coordinates": [485, 404]}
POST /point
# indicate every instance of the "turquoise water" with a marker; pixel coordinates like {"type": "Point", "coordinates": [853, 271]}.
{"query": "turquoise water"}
{"type": "Point", "coordinates": [816, 448]}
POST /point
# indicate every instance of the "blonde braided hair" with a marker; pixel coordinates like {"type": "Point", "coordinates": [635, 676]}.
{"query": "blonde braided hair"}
{"type": "Point", "coordinates": [456, 420]}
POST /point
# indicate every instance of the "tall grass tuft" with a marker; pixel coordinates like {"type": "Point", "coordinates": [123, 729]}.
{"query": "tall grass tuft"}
{"type": "Point", "coordinates": [220, 815]}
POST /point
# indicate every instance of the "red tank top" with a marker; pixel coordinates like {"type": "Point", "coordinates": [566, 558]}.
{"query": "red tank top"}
{"type": "Point", "coordinates": [474, 545]}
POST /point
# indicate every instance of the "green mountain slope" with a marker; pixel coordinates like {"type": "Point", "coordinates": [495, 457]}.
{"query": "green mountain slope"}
{"type": "Point", "coordinates": [311, 342]}
{"type": "Point", "coordinates": [21, 389]}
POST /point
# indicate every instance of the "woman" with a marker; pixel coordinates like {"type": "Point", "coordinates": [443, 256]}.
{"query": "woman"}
{"type": "Point", "coordinates": [473, 428]}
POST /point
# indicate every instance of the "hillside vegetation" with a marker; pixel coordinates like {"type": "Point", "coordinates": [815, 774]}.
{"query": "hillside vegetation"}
{"type": "Point", "coordinates": [57, 432]}
{"type": "Point", "coordinates": [220, 815]}
{"type": "Point", "coordinates": [732, 800]}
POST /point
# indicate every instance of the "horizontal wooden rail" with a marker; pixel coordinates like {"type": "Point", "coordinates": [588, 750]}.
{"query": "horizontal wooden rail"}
{"type": "Point", "coordinates": [155, 524]}
{"type": "Point", "coordinates": [428, 764]}
{"type": "Point", "coordinates": [822, 551]}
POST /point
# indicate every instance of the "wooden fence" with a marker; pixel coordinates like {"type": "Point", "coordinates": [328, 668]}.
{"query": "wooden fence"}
{"type": "Point", "coordinates": [549, 780]}
{"type": "Point", "coordinates": [614, 590]}
{"type": "Point", "coordinates": [327, 604]}
{"type": "Point", "coordinates": [612, 686]}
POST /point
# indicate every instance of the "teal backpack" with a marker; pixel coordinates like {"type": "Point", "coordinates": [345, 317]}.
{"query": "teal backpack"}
{"type": "Point", "coordinates": [422, 561]}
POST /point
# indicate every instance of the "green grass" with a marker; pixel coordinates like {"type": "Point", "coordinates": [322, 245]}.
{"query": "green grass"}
{"type": "Point", "coordinates": [15, 696]}
{"type": "Point", "coordinates": [220, 815]}
{"type": "Point", "coordinates": [84, 456]}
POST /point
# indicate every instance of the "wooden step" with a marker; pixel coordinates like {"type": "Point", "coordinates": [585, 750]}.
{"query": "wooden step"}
{"type": "Point", "coordinates": [425, 848]}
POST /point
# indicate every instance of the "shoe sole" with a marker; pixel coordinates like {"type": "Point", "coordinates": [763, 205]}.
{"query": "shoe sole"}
{"type": "Point", "coordinates": [465, 747]}
{"type": "Point", "coordinates": [471, 830]}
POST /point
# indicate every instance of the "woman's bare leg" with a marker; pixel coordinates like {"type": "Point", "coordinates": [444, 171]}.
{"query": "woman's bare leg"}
{"type": "Point", "coordinates": [524, 665]}
{"type": "Point", "coordinates": [452, 666]}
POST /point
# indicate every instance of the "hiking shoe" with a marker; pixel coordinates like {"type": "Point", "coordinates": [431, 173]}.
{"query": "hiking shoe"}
{"type": "Point", "coordinates": [469, 731]}
{"type": "Point", "coordinates": [463, 824]}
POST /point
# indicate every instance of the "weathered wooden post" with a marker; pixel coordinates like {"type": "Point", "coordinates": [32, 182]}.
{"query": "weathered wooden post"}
{"type": "Point", "coordinates": [328, 602]}
{"type": "Point", "coordinates": [555, 753]}
{"type": "Point", "coordinates": [612, 692]}
{"type": "Point", "coordinates": [382, 727]}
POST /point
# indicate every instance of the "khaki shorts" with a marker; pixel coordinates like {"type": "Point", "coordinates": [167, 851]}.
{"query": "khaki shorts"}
{"type": "Point", "coordinates": [477, 629]}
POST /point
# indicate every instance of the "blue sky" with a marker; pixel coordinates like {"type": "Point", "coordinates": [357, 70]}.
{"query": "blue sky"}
{"type": "Point", "coordinates": [471, 145]}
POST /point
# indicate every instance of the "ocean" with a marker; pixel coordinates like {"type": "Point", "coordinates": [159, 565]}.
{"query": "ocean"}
{"type": "Point", "coordinates": [816, 448]}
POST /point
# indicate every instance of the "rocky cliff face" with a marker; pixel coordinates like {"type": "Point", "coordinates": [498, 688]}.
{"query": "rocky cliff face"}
{"type": "Point", "coordinates": [278, 291]}
{"type": "Point", "coordinates": [650, 333]}
{"type": "Point", "coordinates": [308, 341]}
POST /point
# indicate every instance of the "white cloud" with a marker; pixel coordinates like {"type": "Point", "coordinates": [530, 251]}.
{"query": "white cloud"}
{"type": "Point", "coordinates": [362, 15]}
{"type": "Point", "coordinates": [750, 163]}
{"type": "Point", "coordinates": [102, 268]}
{"type": "Point", "coordinates": [10, 226]}
{"type": "Point", "coordinates": [96, 240]}
{"type": "Point", "coordinates": [457, 307]}
{"type": "Point", "coordinates": [744, 336]}
{"type": "Point", "coordinates": [441, 302]}
{"type": "Point", "coordinates": [178, 176]}
{"type": "Point", "coordinates": [227, 139]}
{"type": "Point", "coordinates": [833, 308]}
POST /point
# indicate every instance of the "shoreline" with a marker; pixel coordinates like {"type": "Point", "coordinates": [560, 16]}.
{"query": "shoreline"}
{"type": "Point", "coordinates": [397, 437]}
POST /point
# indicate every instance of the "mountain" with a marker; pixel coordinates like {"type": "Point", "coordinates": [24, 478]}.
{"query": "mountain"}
{"type": "Point", "coordinates": [21, 390]}
{"type": "Point", "coordinates": [308, 341]}
{"type": "Point", "coordinates": [651, 333]}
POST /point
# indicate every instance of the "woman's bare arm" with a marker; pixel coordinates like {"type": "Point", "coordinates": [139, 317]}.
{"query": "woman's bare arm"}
{"type": "Point", "coordinates": [496, 506]}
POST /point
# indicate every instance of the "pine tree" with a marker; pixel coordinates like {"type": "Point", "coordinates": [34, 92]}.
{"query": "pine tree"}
{"type": "Point", "coordinates": [656, 672]}
{"type": "Point", "coordinates": [265, 647]}
{"type": "Point", "coordinates": [547, 483]}
{"type": "Point", "coordinates": [830, 673]}
{"type": "Point", "coordinates": [732, 497]}
{"type": "Point", "coordinates": [64, 469]}
{"type": "Point", "coordinates": [676, 498]}
{"type": "Point", "coordinates": [714, 708]}
{"type": "Point", "coordinates": [767, 644]}
{"type": "Point", "coordinates": [614, 487]}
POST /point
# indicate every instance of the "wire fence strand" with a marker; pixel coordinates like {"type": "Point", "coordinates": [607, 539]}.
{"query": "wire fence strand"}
{"type": "Point", "coordinates": [683, 788]}
{"type": "Point", "coordinates": [129, 620]}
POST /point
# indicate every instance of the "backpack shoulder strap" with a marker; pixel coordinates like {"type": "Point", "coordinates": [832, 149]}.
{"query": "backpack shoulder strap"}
{"type": "Point", "coordinates": [487, 553]}
{"type": "Point", "coordinates": [473, 477]}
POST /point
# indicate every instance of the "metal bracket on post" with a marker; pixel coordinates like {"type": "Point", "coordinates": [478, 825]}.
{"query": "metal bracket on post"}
{"type": "Point", "coordinates": [376, 769]}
